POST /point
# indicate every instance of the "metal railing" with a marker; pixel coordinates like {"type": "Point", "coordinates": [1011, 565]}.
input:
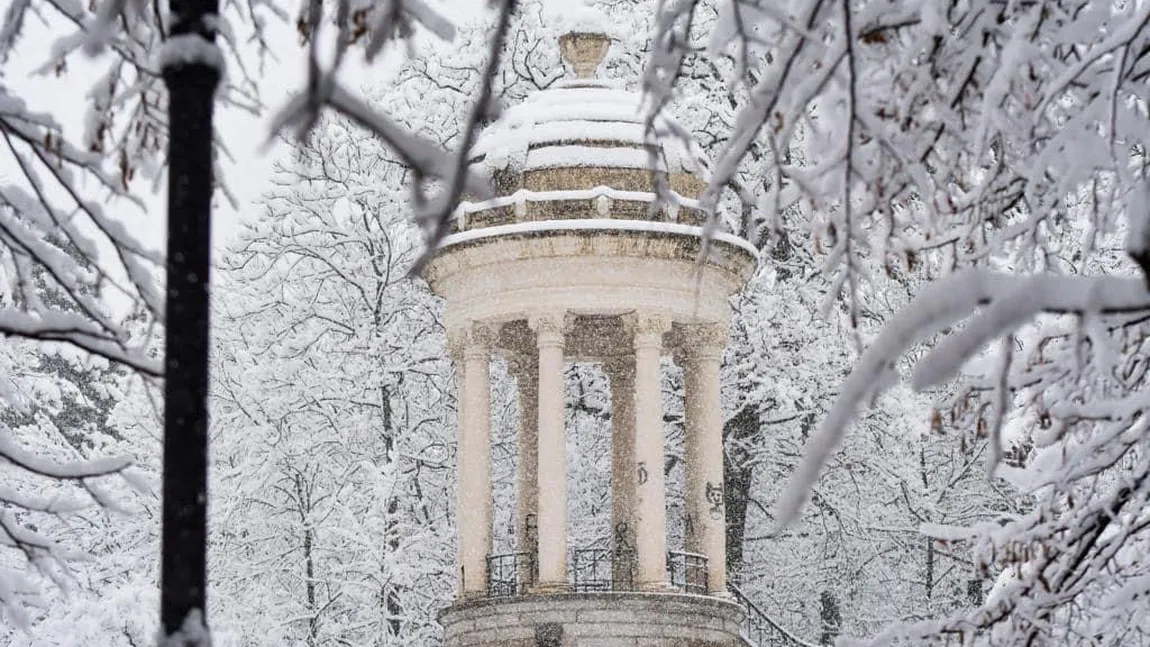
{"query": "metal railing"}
{"type": "Point", "coordinates": [510, 574]}
{"type": "Point", "coordinates": [603, 569]}
{"type": "Point", "coordinates": [593, 569]}
{"type": "Point", "coordinates": [688, 571]}
{"type": "Point", "coordinates": [759, 629]}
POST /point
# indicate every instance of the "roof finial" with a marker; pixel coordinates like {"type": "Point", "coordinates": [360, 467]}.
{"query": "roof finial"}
{"type": "Point", "coordinates": [585, 40]}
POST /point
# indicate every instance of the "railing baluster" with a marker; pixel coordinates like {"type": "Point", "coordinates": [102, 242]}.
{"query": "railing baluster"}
{"type": "Point", "coordinates": [759, 629]}
{"type": "Point", "coordinates": [602, 569]}
{"type": "Point", "coordinates": [688, 571]}
{"type": "Point", "coordinates": [510, 574]}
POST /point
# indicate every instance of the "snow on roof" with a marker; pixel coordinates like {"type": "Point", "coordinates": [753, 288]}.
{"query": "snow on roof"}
{"type": "Point", "coordinates": [578, 18]}
{"type": "Point", "coordinates": [563, 156]}
{"type": "Point", "coordinates": [587, 110]}
{"type": "Point", "coordinates": [547, 226]}
{"type": "Point", "coordinates": [560, 130]}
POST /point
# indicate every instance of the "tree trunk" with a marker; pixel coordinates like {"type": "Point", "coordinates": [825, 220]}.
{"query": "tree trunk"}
{"type": "Point", "coordinates": [929, 578]}
{"type": "Point", "coordinates": [830, 617]}
{"type": "Point", "coordinates": [191, 89]}
{"type": "Point", "coordinates": [392, 608]}
{"type": "Point", "coordinates": [737, 484]}
{"type": "Point", "coordinates": [309, 588]}
{"type": "Point", "coordinates": [303, 500]}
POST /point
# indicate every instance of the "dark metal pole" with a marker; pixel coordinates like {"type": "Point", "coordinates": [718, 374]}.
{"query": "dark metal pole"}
{"type": "Point", "coordinates": [191, 83]}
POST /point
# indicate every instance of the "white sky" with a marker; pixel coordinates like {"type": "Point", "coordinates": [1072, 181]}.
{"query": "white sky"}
{"type": "Point", "coordinates": [245, 135]}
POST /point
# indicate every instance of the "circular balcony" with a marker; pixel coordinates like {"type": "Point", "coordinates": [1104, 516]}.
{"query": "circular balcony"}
{"type": "Point", "coordinates": [593, 570]}
{"type": "Point", "coordinates": [605, 607]}
{"type": "Point", "coordinates": [598, 610]}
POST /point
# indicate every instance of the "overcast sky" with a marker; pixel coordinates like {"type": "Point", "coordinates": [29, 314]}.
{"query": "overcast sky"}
{"type": "Point", "coordinates": [244, 134]}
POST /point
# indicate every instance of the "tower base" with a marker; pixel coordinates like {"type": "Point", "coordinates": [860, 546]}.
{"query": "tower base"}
{"type": "Point", "coordinates": [593, 620]}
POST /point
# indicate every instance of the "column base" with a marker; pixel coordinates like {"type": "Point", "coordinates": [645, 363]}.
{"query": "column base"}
{"type": "Point", "coordinates": [722, 595]}
{"type": "Point", "coordinates": [545, 588]}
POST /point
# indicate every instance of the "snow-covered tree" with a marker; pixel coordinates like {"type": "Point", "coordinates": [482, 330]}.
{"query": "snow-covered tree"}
{"type": "Point", "coordinates": [995, 145]}
{"type": "Point", "coordinates": [111, 589]}
{"type": "Point", "coordinates": [334, 411]}
{"type": "Point", "coordinates": [62, 455]}
{"type": "Point", "coordinates": [53, 435]}
{"type": "Point", "coordinates": [130, 119]}
{"type": "Point", "coordinates": [999, 146]}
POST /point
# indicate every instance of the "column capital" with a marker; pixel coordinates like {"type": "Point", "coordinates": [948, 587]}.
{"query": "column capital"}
{"type": "Point", "coordinates": [472, 339]}
{"type": "Point", "coordinates": [647, 328]}
{"type": "Point", "coordinates": [550, 328]}
{"type": "Point", "coordinates": [702, 341]}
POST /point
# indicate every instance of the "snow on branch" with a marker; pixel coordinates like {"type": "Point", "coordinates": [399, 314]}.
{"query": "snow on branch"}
{"type": "Point", "coordinates": [1007, 302]}
{"type": "Point", "coordinates": [26, 460]}
{"type": "Point", "coordinates": [28, 476]}
{"type": "Point", "coordinates": [428, 161]}
{"type": "Point", "coordinates": [909, 127]}
{"type": "Point", "coordinates": [398, 16]}
{"type": "Point", "coordinates": [190, 49]}
{"type": "Point", "coordinates": [414, 151]}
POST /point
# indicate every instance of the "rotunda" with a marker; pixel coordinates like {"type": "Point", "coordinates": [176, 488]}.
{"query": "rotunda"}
{"type": "Point", "coordinates": [593, 251]}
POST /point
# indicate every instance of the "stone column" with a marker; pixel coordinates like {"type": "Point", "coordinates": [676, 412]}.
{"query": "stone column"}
{"type": "Point", "coordinates": [524, 368]}
{"type": "Point", "coordinates": [621, 373]}
{"type": "Point", "coordinates": [702, 352]}
{"type": "Point", "coordinates": [552, 454]}
{"type": "Point", "coordinates": [650, 501]}
{"type": "Point", "coordinates": [472, 348]}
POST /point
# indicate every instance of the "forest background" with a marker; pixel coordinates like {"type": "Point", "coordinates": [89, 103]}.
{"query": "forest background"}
{"type": "Point", "coordinates": [333, 405]}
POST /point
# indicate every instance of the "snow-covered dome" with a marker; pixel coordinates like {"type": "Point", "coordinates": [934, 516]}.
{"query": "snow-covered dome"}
{"type": "Point", "coordinates": [582, 149]}
{"type": "Point", "coordinates": [584, 123]}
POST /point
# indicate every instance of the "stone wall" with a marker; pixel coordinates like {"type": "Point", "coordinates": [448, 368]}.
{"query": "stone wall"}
{"type": "Point", "coordinates": [593, 620]}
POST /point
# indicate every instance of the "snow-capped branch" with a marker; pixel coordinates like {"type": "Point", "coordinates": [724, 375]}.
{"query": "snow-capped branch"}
{"type": "Point", "coordinates": [26, 460]}
{"type": "Point", "coordinates": [23, 512]}
{"type": "Point", "coordinates": [416, 152]}
{"type": "Point", "coordinates": [435, 216]}
{"type": "Point", "coordinates": [1007, 302]}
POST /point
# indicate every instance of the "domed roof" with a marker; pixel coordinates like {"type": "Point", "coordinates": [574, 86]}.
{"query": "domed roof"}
{"type": "Point", "coordinates": [582, 149]}
{"type": "Point", "coordinates": [586, 123]}
{"type": "Point", "coordinates": [595, 215]}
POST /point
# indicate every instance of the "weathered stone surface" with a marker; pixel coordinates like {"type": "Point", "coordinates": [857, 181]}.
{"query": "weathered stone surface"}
{"type": "Point", "coordinates": [576, 209]}
{"type": "Point", "coordinates": [598, 271]}
{"type": "Point", "coordinates": [611, 641]}
{"type": "Point", "coordinates": [594, 620]}
{"type": "Point", "coordinates": [589, 177]}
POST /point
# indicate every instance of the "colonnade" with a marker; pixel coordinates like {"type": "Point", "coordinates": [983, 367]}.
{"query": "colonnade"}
{"type": "Point", "coordinates": [638, 492]}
